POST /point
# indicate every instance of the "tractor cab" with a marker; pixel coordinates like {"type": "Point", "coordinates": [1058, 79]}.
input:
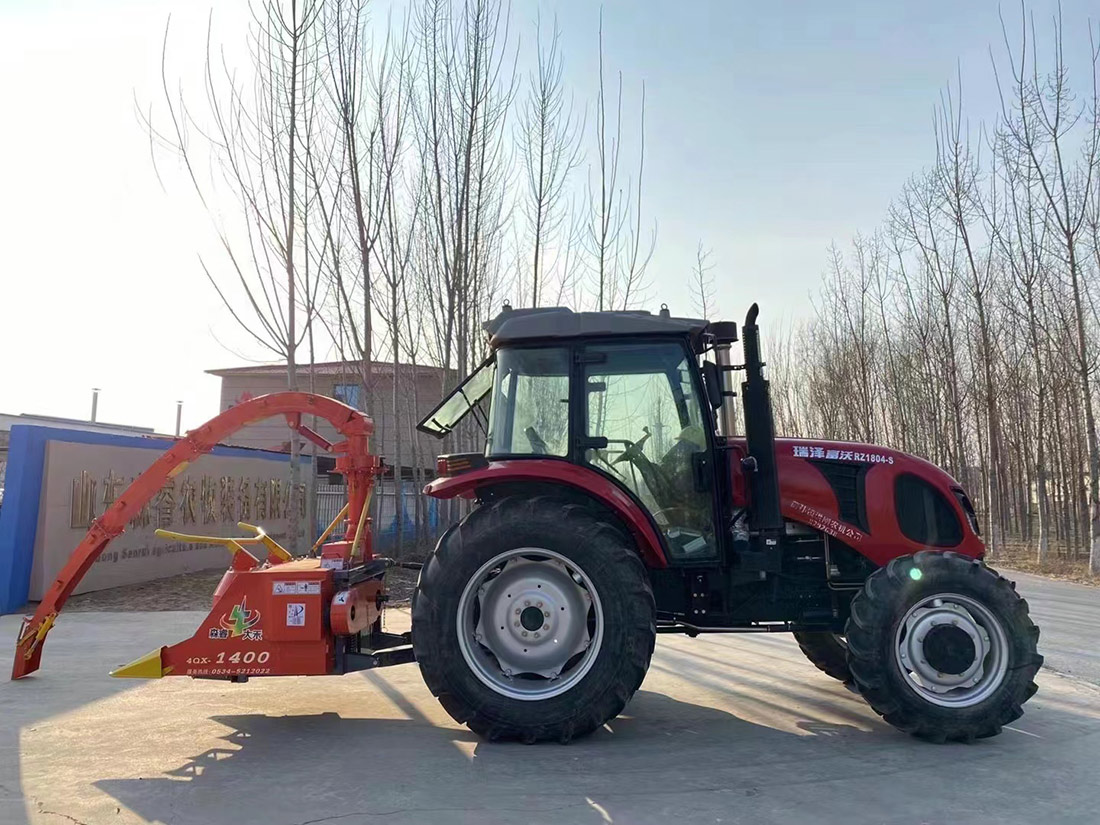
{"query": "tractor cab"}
{"type": "Point", "coordinates": [620, 394]}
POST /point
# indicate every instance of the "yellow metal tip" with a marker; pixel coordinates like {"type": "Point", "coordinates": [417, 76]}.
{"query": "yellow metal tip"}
{"type": "Point", "coordinates": [147, 667]}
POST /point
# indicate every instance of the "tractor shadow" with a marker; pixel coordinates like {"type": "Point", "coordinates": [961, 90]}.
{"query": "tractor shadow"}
{"type": "Point", "coordinates": [297, 769]}
{"type": "Point", "coordinates": [664, 760]}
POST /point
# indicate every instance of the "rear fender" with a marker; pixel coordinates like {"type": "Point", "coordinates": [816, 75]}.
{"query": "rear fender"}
{"type": "Point", "coordinates": [580, 479]}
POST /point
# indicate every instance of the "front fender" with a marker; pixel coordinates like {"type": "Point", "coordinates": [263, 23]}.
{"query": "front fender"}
{"type": "Point", "coordinates": [560, 472]}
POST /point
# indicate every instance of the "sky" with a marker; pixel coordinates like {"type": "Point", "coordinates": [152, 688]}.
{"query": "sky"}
{"type": "Point", "coordinates": [772, 130]}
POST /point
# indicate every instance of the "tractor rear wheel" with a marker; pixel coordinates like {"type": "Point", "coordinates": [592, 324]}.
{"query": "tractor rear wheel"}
{"type": "Point", "coordinates": [942, 647]}
{"type": "Point", "coordinates": [827, 650]}
{"type": "Point", "coordinates": [533, 619]}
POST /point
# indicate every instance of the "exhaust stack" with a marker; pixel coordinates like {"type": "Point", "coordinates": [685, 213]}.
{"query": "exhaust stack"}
{"type": "Point", "coordinates": [765, 515]}
{"type": "Point", "coordinates": [725, 333]}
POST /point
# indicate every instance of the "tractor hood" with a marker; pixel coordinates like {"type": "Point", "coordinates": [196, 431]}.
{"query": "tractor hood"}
{"type": "Point", "coordinates": [879, 501]}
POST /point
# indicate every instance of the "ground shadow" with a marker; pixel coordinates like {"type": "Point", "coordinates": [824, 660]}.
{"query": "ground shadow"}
{"type": "Point", "coordinates": [297, 769]}
{"type": "Point", "coordinates": [73, 675]}
{"type": "Point", "coordinates": [665, 760]}
{"type": "Point", "coordinates": [775, 750]}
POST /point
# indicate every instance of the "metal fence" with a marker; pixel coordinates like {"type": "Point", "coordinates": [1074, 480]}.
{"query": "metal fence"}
{"type": "Point", "coordinates": [433, 515]}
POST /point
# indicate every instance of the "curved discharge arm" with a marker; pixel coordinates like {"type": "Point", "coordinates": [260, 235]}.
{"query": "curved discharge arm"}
{"type": "Point", "coordinates": [354, 461]}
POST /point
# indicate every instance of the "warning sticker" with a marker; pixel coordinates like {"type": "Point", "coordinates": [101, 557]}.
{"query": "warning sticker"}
{"type": "Point", "coordinates": [295, 614]}
{"type": "Point", "coordinates": [296, 588]}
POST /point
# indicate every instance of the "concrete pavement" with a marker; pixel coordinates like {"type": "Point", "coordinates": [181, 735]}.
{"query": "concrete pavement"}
{"type": "Point", "coordinates": [1068, 616]}
{"type": "Point", "coordinates": [736, 729]}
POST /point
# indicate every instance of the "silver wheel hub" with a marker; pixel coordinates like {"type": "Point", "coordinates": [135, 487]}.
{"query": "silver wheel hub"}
{"type": "Point", "coordinates": [529, 624]}
{"type": "Point", "coordinates": [952, 649]}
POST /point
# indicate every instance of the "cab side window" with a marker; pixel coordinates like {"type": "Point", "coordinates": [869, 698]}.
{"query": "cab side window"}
{"type": "Point", "coordinates": [641, 398]}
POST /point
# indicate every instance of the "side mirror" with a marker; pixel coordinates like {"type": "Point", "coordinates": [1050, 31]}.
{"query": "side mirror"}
{"type": "Point", "coordinates": [712, 380]}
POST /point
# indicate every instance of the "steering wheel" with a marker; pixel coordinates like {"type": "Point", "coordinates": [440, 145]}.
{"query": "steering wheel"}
{"type": "Point", "coordinates": [538, 446]}
{"type": "Point", "coordinates": [633, 449]}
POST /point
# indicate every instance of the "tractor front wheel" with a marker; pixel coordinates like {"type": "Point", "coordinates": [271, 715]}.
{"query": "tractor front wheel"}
{"type": "Point", "coordinates": [942, 647]}
{"type": "Point", "coordinates": [533, 619]}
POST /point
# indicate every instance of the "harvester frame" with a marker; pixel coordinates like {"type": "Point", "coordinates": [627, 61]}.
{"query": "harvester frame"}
{"type": "Point", "coordinates": [346, 581]}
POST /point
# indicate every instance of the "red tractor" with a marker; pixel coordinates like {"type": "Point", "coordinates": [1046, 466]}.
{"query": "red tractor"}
{"type": "Point", "coordinates": [614, 501]}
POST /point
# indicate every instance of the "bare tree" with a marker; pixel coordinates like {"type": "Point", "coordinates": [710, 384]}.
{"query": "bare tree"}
{"type": "Point", "coordinates": [615, 232]}
{"type": "Point", "coordinates": [253, 137]}
{"type": "Point", "coordinates": [702, 282]}
{"type": "Point", "coordinates": [967, 329]}
{"type": "Point", "coordinates": [549, 149]}
{"type": "Point", "coordinates": [461, 111]}
{"type": "Point", "coordinates": [1041, 116]}
{"type": "Point", "coordinates": [957, 179]}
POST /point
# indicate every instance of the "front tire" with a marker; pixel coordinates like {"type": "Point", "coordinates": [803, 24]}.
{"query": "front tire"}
{"type": "Point", "coordinates": [942, 647]}
{"type": "Point", "coordinates": [496, 669]}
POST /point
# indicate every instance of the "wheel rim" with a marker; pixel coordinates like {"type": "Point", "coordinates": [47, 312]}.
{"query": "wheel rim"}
{"type": "Point", "coordinates": [952, 650]}
{"type": "Point", "coordinates": [500, 639]}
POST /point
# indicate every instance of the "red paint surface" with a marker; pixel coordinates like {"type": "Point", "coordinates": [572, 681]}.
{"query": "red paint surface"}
{"type": "Point", "coordinates": [281, 649]}
{"type": "Point", "coordinates": [805, 495]}
{"type": "Point", "coordinates": [560, 472]}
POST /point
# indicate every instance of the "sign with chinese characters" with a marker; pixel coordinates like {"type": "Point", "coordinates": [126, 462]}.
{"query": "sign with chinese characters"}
{"type": "Point", "coordinates": [840, 454]}
{"type": "Point", "coordinates": [827, 524]}
{"type": "Point", "coordinates": [80, 481]}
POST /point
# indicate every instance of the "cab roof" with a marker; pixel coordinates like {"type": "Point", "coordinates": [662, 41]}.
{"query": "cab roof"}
{"type": "Point", "coordinates": [514, 326]}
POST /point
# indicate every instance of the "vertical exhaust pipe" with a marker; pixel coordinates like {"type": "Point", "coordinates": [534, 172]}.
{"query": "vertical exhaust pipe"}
{"type": "Point", "coordinates": [765, 515]}
{"type": "Point", "coordinates": [725, 333]}
{"type": "Point", "coordinates": [95, 403]}
{"type": "Point", "coordinates": [179, 417]}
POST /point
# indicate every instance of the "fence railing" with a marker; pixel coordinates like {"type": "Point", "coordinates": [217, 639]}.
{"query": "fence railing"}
{"type": "Point", "coordinates": [422, 519]}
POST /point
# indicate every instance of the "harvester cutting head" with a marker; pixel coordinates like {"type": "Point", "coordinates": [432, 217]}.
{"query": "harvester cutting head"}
{"type": "Point", "coordinates": [274, 615]}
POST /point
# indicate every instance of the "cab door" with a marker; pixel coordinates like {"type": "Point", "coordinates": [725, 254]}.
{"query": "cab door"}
{"type": "Point", "coordinates": [643, 424]}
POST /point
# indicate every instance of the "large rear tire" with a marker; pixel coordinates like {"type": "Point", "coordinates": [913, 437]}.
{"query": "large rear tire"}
{"type": "Point", "coordinates": [942, 647]}
{"type": "Point", "coordinates": [501, 669]}
{"type": "Point", "coordinates": [828, 651]}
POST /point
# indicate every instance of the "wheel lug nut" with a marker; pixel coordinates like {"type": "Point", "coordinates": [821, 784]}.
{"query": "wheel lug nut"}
{"type": "Point", "coordinates": [546, 613]}
{"type": "Point", "coordinates": [527, 603]}
{"type": "Point", "coordinates": [515, 624]}
{"type": "Point", "coordinates": [546, 627]}
{"type": "Point", "coordinates": [538, 604]}
{"type": "Point", "coordinates": [525, 633]}
{"type": "Point", "coordinates": [517, 611]}
{"type": "Point", "coordinates": [536, 634]}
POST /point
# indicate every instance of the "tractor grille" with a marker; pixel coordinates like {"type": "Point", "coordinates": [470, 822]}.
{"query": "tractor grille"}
{"type": "Point", "coordinates": [846, 479]}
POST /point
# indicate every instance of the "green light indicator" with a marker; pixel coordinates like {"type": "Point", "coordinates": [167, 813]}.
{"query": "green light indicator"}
{"type": "Point", "coordinates": [915, 574]}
